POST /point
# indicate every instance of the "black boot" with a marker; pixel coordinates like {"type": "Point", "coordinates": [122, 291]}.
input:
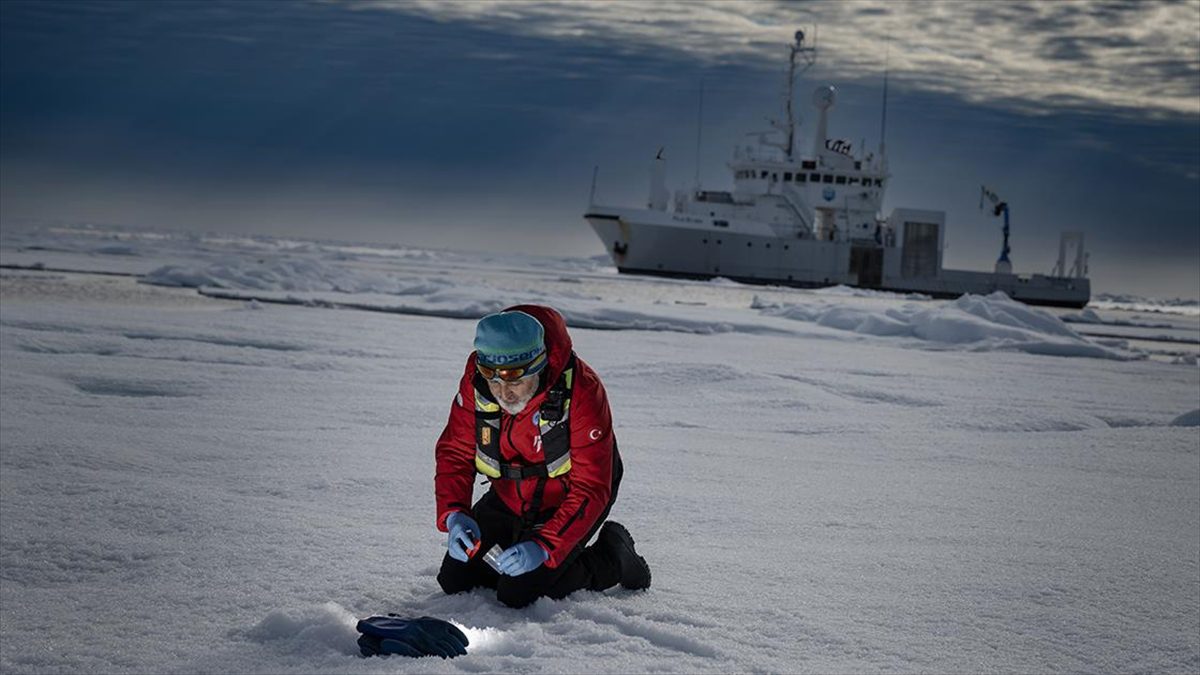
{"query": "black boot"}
{"type": "Point", "coordinates": [616, 540]}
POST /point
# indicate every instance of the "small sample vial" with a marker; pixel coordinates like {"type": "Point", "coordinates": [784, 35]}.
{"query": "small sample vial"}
{"type": "Point", "coordinates": [492, 557]}
{"type": "Point", "coordinates": [475, 544]}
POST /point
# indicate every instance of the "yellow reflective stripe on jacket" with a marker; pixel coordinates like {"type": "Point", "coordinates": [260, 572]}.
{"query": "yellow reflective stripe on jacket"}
{"type": "Point", "coordinates": [484, 405]}
{"type": "Point", "coordinates": [559, 466]}
{"type": "Point", "coordinates": [486, 465]}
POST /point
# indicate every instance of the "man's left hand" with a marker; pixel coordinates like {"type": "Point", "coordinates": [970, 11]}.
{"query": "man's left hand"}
{"type": "Point", "coordinates": [521, 558]}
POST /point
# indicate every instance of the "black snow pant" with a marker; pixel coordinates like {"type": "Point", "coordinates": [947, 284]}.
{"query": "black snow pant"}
{"type": "Point", "coordinates": [586, 567]}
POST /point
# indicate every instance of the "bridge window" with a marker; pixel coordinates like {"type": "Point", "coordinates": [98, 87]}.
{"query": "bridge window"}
{"type": "Point", "coordinates": [878, 182]}
{"type": "Point", "coordinates": [764, 175]}
{"type": "Point", "coordinates": [853, 180]}
{"type": "Point", "coordinates": [808, 165]}
{"type": "Point", "coordinates": [800, 178]}
{"type": "Point", "coordinates": [841, 180]}
{"type": "Point", "coordinates": [827, 178]}
{"type": "Point", "coordinates": [787, 177]}
{"type": "Point", "coordinates": [814, 177]}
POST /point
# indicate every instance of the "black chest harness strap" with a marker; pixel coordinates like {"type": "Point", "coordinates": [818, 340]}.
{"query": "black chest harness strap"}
{"type": "Point", "coordinates": [552, 420]}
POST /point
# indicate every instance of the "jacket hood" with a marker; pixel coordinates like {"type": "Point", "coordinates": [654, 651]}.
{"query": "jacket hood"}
{"type": "Point", "coordinates": [558, 342]}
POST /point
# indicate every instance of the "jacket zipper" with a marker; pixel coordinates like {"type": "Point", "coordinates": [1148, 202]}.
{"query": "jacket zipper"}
{"type": "Point", "coordinates": [512, 422]}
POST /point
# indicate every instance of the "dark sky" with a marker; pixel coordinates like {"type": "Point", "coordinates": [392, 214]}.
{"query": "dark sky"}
{"type": "Point", "coordinates": [477, 125]}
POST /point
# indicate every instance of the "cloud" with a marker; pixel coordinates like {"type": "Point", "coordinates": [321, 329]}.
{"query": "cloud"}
{"type": "Point", "coordinates": [1135, 59]}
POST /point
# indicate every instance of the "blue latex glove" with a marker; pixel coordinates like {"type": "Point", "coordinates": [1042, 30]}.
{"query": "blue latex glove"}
{"type": "Point", "coordinates": [464, 535]}
{"type": "Point", "coordinates": [521, 558]}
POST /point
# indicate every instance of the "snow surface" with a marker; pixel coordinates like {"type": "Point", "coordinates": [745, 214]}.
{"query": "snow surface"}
{"type": "Point", "coordinates": [225, 480]}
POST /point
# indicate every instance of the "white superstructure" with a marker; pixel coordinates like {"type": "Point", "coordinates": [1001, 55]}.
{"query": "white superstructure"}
{"type": "Point", "coordinates": [810, 220]}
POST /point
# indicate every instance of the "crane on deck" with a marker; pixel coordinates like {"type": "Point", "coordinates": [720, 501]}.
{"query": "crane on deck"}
{"type": "Point", "coordinates": [1003, 264]}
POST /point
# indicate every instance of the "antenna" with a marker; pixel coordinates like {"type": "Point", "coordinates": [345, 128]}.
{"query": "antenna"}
{"type": "Point", "coordinates": [883, 118]}
{"type": "Point", "coordinates": [791, 118]}
{"type": "Point", "coordinates": [699, 131]}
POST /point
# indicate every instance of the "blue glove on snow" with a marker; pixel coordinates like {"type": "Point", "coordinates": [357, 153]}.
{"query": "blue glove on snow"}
{"type": "Point", "coordinates": [464, 536]}
{"type": "Point", "coordinates": [426, 636]}
{"type": "Point", "coordinates": [521, 558]}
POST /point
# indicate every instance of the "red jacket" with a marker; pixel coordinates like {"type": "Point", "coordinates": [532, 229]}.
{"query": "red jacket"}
{"type": "Point", "coordinates": [577, 498]}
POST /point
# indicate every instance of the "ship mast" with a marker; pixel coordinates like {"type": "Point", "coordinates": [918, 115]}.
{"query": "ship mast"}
{"type": "Point", "coordinates": [808, 56]}
{"type": "Point", "coordinates": [883, 116]}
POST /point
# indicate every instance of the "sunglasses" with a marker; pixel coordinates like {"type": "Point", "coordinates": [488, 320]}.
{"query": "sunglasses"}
{"type": "Point", "coordinates": [511, 373]}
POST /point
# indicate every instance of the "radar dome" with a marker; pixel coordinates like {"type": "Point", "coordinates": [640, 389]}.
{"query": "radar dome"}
{"type": "Point", "coordinates": [824, 97]}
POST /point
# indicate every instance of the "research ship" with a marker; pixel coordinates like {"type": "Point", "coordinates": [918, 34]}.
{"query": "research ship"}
{"type": "Point", "coordinates": [814, 220]}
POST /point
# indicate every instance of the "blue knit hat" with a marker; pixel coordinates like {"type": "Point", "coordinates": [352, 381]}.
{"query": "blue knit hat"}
{"type": "Point", "coordinates": [509, 339]}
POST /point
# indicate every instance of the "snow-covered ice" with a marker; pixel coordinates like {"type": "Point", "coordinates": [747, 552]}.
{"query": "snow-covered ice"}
{"type": "Point", "coordinates": [222, 462]}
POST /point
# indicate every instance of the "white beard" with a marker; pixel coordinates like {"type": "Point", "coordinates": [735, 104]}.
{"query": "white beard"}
{"type": "Point", "coordinates": [516, 408]}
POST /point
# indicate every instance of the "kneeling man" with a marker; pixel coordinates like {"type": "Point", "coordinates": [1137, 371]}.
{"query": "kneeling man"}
{"type": "Point", "coordinates": [532, 417]}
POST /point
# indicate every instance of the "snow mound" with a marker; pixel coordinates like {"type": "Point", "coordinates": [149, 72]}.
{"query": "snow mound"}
{"type": "Point", "coordinates": [118, 249]}
{"type": "Point", "coordinates": [471, 302]}
{"type": "Point", "coordinates": [1085, 315]}
{"type": "Point", "coordinates": [1090, 316]}
{"type": "Point", "coordinates": [585, 315]}
{"type": "Point", "coordinates": [289, 275]}
{"type": "Point", "coordinates": [1136, 303]}
{"type": "Point", "coordinates": [982, 323]}
{"type": "Point", "coordinates": [994, 322]}
{"type": "Point", "coordinates": [320, 628]}
{"type": "Point", "coordinates": [1189, 419]}
{"type": "Point", "coordinates": [844, 291]}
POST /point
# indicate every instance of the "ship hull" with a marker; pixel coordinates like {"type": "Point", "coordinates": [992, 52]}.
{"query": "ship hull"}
{"type": "Point", "coordinates": [664, 244]}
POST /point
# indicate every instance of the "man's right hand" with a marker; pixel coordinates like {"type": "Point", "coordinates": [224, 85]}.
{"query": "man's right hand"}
{"type": "Point", "coordinates": [464, 535]}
